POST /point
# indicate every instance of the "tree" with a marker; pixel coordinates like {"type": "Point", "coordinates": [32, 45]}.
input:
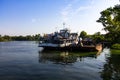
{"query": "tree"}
{"type": "Point", "coordinates": [29, 37]}
{"type": "Point", "coordinates": [83, 34]}
{"type": "Point", "coordinates": [37, 37]}
{"type": "Point", "coordinates": [1, 39]}
{"type": "Point", "coordinates": [98, 37]}
{"type": "Point", "coordinates": [110, 19]}
{"type": "Point", "coordinates": [6, 38]}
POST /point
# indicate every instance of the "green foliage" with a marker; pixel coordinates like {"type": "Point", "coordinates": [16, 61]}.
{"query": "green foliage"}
{"type": "Point", "coordinates": [1, 39]}
{"type": "Point", "coordinates": [7, 38]}
{"type": "Point", "coordinates": [110, 19]}
{"type": "Point", "coordinates": [97, 37]}
{"type": "Point", "coordinates": [83, 34]}
{"type": "Point", "coordinates": [20, 38]}
{"type": "Point", "coordinates": [37, 37]}
{"type": "Point", "coordinates": [116, 46]}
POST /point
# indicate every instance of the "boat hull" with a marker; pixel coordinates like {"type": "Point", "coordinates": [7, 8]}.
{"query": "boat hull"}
{"type": "Point", "coordinates": [71, 48]}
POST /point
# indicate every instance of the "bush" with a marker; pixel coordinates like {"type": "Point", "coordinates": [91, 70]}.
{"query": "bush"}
{"type": "Point", "coordinates": [116, 46]}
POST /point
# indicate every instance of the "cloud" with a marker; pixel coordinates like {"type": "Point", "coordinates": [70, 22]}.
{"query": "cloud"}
{"type": "Point", "coordinates": [70, 11]}
{"type": "Point", "coordinates": [82, 8]}
{"type": "Point", "coordinates": [66, 12]}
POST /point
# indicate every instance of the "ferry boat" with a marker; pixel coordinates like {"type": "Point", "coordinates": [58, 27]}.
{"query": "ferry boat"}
{"type": "Point", "coordinates": [65, 40]}
{"type": "Point", "coordinates": [59, 40]}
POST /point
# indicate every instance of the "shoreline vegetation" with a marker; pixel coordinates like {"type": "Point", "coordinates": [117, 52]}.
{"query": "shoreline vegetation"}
{"type": "Point", "coordinates": [20, 38]}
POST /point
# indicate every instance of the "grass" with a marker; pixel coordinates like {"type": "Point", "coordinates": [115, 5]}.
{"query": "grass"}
{"type": "Point", "coordinates": [115, 51]}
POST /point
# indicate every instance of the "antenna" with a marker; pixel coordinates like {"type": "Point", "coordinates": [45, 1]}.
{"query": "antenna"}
{"type": "Point", "coordinates": [63, 24]}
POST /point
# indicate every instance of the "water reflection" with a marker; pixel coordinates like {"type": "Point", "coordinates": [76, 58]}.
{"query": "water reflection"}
{"type": "Point", "coordinates": [57, 58]}
{"type": "Point", "coordinates": [63, 57]}
{"type": "Point", "coordinates": [66, 57]}
{"type": "Point", "coordinates": [103, 55]}
{"type": "Point", "coordinates": [109, 65]}
{"type": "Point", "coordinates": [111, 69]}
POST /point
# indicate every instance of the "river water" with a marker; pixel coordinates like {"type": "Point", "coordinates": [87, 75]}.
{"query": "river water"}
{"type": "Point", "coordinates": [24, 60]}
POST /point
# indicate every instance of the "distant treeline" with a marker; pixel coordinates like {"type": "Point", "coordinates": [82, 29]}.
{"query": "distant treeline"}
{"type": "Point", "coordinates": [20, 38]}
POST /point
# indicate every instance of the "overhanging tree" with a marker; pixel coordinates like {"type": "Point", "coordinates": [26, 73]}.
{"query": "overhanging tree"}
{"type": "Point", "coordinates": [110, 19]}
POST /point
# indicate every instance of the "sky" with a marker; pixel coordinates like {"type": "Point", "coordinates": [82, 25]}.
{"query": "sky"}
{"type": "Point", "coordinates": [29, 17]}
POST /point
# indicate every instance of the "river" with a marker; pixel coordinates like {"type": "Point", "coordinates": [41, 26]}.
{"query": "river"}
{"type": "Point", "coordinates": [24, 60]}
